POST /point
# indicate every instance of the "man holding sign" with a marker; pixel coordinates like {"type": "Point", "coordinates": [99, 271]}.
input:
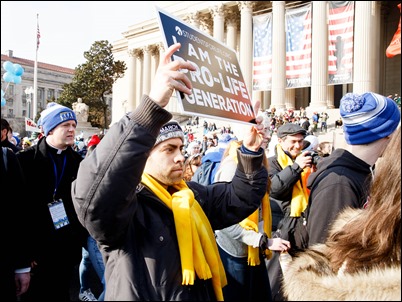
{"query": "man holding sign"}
{"type": "Point", "coordinates": [155, 231]}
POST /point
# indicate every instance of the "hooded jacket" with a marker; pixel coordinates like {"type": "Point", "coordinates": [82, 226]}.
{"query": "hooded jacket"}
{"type": "Point", "coordinates": [134, 228]}
{"type": "Point", "coordinates": [309, 277]}
{"type": "Point", "coordinates": [341, 180]}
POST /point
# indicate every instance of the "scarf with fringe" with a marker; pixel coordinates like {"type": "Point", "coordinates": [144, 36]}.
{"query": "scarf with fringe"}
{"type": "Point", "coordinates": [198, 250]}
{"type": "Point", "coordinates": [299, 193]}
{"type": "Point", "coordinates": [251, 222]}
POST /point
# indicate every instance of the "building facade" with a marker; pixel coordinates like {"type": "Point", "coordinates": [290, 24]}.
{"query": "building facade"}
{"type": "Point", "coordinates": [231, 22]}
{"type": "Point", "coordinates": [19, 97]}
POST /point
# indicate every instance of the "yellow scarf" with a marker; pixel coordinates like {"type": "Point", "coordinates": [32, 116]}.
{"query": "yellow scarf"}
{"type": "Point", "coordinates": [300, 193]}
{"type": "Point", "coordinates": [251, 222]}
{"type": "Point", "coordinates": [198, 250]}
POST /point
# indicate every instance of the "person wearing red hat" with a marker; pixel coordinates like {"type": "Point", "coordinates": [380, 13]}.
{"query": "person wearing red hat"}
{"type": "Point", "coordinates": [94, 140]}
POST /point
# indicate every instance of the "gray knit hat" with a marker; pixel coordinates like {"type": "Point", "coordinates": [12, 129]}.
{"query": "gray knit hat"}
{"type": "Point", "coordinates": [170, 130]}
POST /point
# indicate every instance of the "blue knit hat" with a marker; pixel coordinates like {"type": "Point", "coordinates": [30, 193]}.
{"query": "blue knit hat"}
{"type": "Point", "coordinates": [368, 117]}
{"type": "Point", "coordinates": [54, 115]}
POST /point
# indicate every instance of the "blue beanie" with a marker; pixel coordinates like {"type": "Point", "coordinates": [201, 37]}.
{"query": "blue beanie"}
{"type": "Point", "coordinates": [368, 117]}
{"type": "Point", "coordinates": [54, 115]}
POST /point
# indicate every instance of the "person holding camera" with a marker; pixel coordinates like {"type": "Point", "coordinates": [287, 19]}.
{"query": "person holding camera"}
{"type": "Point", "coordinates": [288, 171]}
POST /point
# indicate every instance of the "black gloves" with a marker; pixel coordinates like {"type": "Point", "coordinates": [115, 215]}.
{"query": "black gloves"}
{"type": "Point", "coordinates": [263, 242]}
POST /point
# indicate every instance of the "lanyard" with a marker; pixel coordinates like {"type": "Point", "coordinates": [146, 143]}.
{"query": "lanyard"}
{"type": "Point", "coordinates": [58, 179]}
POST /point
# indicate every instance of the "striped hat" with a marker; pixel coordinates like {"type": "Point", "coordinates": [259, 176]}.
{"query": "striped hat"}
{"type": "Point", "coordinates": [170, 130]}
{"type": "Point", "coordinates": [368, 117]}
{"type": "Point", "coordinates": [54, 115]}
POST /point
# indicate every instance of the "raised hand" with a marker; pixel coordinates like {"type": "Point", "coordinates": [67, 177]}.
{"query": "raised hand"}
{"type": "Point", "coordinates": [257, 134]}
{"type": "Point", "coordinates": [170, 76]}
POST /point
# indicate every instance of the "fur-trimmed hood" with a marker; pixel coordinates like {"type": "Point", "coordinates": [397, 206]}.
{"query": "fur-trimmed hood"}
{"type": "Point", "coordinates": [310, 277]}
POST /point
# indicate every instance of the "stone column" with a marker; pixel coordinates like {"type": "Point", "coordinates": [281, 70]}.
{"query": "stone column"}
{"type": "Point", "coordinates": [138, 76]}
{"type": "Point", "coordinates": [193, 18]}
{"type": "Point", "coordinates": [246, 41]}
{"type": "Point", "coordinates": [131, 74]}
{"type": "Point", "coordinates": [218, 14]}
{"type": "Point", "coordinates": [366, 42]}
{"type": "Point", "coordinates": [330, 97]}
{"type": "Point", "coordinates": [232, 20]}
{"type": "Point", "coordinates": [319, 65]}
{"type": "Point", "coordinates": [147, 69]}
{"type": "Point", "coordinates": [206, 24]}
{"type": "Point", "coordinates": [278, 55]}
{"type": "Point", "coordinates": [290, 98]}
{"type": "Point", "coordinates": [154, 60]}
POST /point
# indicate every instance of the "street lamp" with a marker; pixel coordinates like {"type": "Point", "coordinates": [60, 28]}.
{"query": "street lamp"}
{"type": "Point", "coordinates": [29, 91]}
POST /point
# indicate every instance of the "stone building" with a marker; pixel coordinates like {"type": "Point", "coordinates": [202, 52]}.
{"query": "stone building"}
{"type": "Point", "coordinates": [50, 81]}
{"type": "Point", "coordinates": [19, 104]}
{"type": "Point", "coordinates": [231, 22]}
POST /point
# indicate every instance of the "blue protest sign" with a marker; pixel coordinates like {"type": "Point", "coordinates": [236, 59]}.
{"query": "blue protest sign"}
{"type": "Point", "coordinates": [219, 90]}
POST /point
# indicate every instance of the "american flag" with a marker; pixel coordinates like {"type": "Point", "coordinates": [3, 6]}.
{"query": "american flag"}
{"type": "Point", "coordinates": [262, 63]}
{"type": "Point", "coordinates": [37, 35]}
{"type": "Point", "coordinates": [340, 28]}
{"type": "Point", "coordinates": [298, 46]}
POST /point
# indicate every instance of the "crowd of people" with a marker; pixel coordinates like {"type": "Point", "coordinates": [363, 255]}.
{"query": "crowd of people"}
{"type": "Point", "coordinates": [160, 215]}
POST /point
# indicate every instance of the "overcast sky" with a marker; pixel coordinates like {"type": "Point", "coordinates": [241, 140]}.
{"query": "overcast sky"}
{"type": "Point", "coordinates": [67, 28]}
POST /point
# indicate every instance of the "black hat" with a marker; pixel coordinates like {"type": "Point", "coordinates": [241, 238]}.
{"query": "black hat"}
{"type": "Point", "coordinates": [170, 130]}
{"type": "Point", "coordinates": [290, 129]}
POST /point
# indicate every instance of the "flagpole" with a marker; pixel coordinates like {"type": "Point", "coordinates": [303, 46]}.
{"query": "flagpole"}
{"type": "Point", "coordinates": [35, 94]}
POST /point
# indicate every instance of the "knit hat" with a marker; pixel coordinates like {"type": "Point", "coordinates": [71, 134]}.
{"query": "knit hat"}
{"type": "Point", "coordinates": [54, 115]}
{"type": "Point", "coordinates": [290, 129]}
{"type": "Point", "coordinates": [170, 130]}
{"type": "Point", "coordinates": [192, 145]}
{"type": "Point", "coordinates": [27, 141]}
{"type": "Point", "coordinates": [94, 140]}
{"type": "Point", "coordinates": [368, 117]}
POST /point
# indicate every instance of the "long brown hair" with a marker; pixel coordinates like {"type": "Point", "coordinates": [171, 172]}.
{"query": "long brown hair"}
{"type": "Point", "coordinates": [373, 238]}
{"type": "Point", "coordinates": [188, 169]}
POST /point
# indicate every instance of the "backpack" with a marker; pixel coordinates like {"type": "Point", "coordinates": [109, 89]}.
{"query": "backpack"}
{"type": "Point", "coordinates": [205, 173]}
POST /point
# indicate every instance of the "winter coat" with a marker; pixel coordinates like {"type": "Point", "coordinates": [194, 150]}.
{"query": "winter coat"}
{"type": "Point", "coordinates": [310, 277]}
{"type": "Point", "coordinates": [135, 229]}
{"type": "Point", "coordinates": [341, 180]}
{"type": "Point", "coordinates": [14, 224]}
{"type": "Point", "coordinates": [282, 183]}
{"type": "Point", "coordinates": [62, 245]}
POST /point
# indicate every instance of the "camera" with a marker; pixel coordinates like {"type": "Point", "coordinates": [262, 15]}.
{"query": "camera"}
{"type": "Point", "coordinates": [315, 157]}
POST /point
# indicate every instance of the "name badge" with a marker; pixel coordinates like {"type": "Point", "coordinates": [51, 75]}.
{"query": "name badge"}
{"type": "Point", "coordinates": [59, 215]}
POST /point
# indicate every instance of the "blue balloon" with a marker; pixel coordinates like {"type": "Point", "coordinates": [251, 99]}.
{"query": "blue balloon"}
{"type": "Point", "coordinates": [8, 77]}
{"type": "Point", "coordinates": [17, 79]}
{"type": "Point", "coordinates": [8, 66]}
{"type": "Point", "coordinates": [18, 70]}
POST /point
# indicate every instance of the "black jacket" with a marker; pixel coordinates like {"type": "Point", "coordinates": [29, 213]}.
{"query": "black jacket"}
{"type": "Point", "coordinates": [135, 229]}
{"type": "Point", "coordinates": [282, 183]}
{"type": "Point", "coordinates": [6, 143]}
{"type": "Point", "coordinates": [342, 180]}
{"type": "Point", "coordinates": [14, 224]}
{"type": "Point", "coordinates": [62, 245]}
